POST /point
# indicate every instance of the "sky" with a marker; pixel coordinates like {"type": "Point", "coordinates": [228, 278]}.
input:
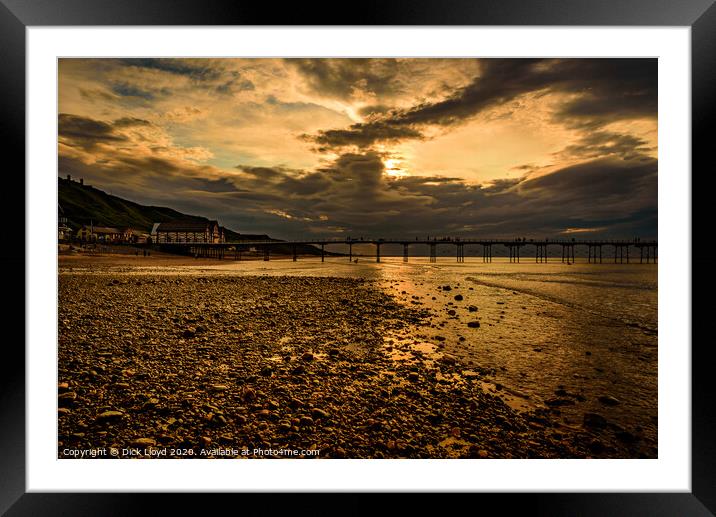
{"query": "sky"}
{"type": "Point", "coordinates": [299, 148]}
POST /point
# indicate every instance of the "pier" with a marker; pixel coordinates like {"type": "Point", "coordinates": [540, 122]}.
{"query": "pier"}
{"type": "Point", "coordinates": [517, 248]}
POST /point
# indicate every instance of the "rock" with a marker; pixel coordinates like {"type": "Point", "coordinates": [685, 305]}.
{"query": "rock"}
{"type": "Point", "coordinates": [109, 416]}
{"type": "Point", "coordinates": [143, 442]}
{"type": "Point", "coordinates": [596, 446]}
{"type": "Point", "coordinates": [452, 312]}
{"type": "Point", "coordinates": [448, 359]}
{"type": "Point", "coordinates": [306, 421]}
{"type": "Point", "coordinates": [150, 403]}
{"type": "Point", "coordinates": [263, 413]}
{"type": "Point", "coordinates": [472, 308]}
{"type": "Point", "coordinates": [413, 376]}
{"type": "Point", "coordinates": [205, 441]}
{"type": "Point", "coordinates": [66, 399]}
{"type": "Point", "coordinates": [63, 411]}
{"type": "Point", "coordinates": [248, 395]}
{"type": "Point", "coordinates": [189, 333]}
{"type": "Point", "coordinates": [473, 324]}
{"type": "Point", "coordinates": [298, 370]}
{"type": "Point", "coordinates": [594, 420]}
{"type": "Point", "coordinates": [458, 297]}
{"type": "Point", "coordinates": [626, 437]}
{"type": "Point", "coordinates": [447, 288]}
{"type": "Point", "coordinates": [307, 356]}
{"type": "Point", "coordinates": [219, 387]}
{"type": "Point", "coordinates": [273, 404]}
{"type": "Point", "coordinates": [267, 371]}
{"type": "Point", "coordinates": [555, 402]}
{"type": "Point", "coordinates": [319, 413]}
{"type": "Point", "coordinates": [63, 386]}
{"type": "Point", "coordinates": [284, 427]}
{"type": "Point", "coordinates": [608, 400]}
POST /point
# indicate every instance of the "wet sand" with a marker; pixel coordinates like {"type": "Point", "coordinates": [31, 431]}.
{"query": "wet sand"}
{"type": "Point", "coordinates": [154, 361]}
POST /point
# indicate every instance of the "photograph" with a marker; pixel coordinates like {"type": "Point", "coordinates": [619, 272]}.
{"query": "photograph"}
{"type": "Point", "coordinates": [357, 257]}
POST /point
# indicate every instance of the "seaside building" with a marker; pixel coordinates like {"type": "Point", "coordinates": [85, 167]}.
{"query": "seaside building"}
{"type": "Point", "coordinates": [134, 236]}
{"type": "Point", "coordinates": [91, 233]}
{"type": "Point", "coordinates": [188, 231]}
{"type": "Point", "coordinates": [64, 232]}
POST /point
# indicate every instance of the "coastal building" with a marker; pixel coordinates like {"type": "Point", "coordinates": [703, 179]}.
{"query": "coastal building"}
{"type": "Point", "coordinates": [106, 234]}
{"type": "Point", "coordinates": [188, 231]}
{"type": "Point", "coordinates": [64, 232]}
{"type": "Point", "coordinates": [134, 236]}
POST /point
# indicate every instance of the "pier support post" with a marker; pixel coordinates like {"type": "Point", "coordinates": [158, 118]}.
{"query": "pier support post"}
{"type": "Point", "coordinates": [433, 252]}
{"type": "Point", "coordinates": [350, 252]}
{"type": "Point", "coordinates": [600, 253]}
{"type": "Point", "coordinates": [377, 252]}
{"type": "Point", "coordinates": [323, 252]}
{"type": "Point", "coordinates": [405, 252]}
{"type": "Point", "coordinates": [627, 248]}
{"type": "Point", "coordinates": [294, 253]}
{"type": "Point", "coordinates": [267, 253]}
{"type": "Point", "coordinates": [460, 249]}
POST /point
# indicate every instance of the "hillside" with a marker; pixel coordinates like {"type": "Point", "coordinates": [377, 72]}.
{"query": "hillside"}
{"type": "Point", "coordinates": [83, 204]}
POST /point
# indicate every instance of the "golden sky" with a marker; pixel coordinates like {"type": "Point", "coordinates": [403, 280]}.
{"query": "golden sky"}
{"type": "Point", "coordinates": [337, 147]}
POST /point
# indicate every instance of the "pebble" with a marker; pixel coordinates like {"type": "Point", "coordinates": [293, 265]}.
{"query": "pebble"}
{"type": "Point", "coordinates": [143, 442]}
{"type": "Point", "coordinates": [594, 420]}
{"type": "Point", "coordinates": [473, 324]}
{"type": "Point", "coordinates": [608, 400]}
{"type": "Point", "coordinates": [319, 413]}
{"type": "Point", "coordinates": [66, 399]}
{"type": "Point", "coordinates": [109, 416]}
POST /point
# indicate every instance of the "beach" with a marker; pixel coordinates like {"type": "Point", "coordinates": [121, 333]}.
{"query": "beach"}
{"type": "Point", "coordinates": [345, 360]}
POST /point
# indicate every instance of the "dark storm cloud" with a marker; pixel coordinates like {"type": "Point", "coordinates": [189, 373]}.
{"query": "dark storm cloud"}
{"type": "Point", "coordinates": [607, 90]}
{"type": "Point", "coordinates": [596, 144]}
{"type": "Point", "coordinates": [364, 135]}
{"type": "Point", "coordinates": [341, 78]}
{"type": "Point", "coordinates": [129, 90]}
{"type": "Point", "coordinates": [208, 74]}
{"type": "Point", "coordinates": [85, 132]}
{"type": "Point", "coordinates": [605, 179]}
{"type": "Point", "coordinates": [195, 69]}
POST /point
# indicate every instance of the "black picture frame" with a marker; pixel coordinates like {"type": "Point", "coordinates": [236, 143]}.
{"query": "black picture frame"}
{"type": "Point", "coordinates": [17, 15]}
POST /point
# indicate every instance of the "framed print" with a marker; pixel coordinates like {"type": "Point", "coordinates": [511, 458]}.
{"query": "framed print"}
{"type": "Point", "coordinates": [440, 250]}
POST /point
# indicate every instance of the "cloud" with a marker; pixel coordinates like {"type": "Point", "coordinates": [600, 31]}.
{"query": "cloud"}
{"type": "Point", "coordinates": [312, 139]}
{"type": "Point", "coordinates": [603, 91]}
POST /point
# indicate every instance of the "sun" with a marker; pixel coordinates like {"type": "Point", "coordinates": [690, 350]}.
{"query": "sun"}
{"type": "Point", "coordinates": [393, 168]}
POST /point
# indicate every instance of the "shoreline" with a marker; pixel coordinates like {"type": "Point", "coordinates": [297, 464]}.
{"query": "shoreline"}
{"type": "Point", "coordinates": [203, 361]}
